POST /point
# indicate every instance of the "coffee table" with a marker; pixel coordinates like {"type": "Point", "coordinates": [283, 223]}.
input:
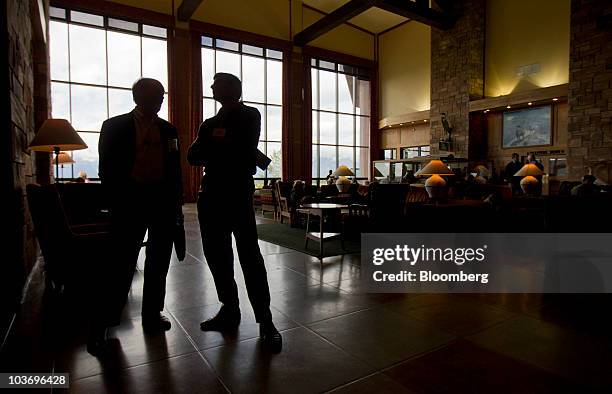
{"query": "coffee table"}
{"type": "Point", "coordinates": [321, 210]}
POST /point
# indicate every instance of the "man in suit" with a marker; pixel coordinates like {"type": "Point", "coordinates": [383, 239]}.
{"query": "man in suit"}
{"type": "Point", "coordinates": [140, 169]}
{"type": "Point", "coordinates": [227, 148]}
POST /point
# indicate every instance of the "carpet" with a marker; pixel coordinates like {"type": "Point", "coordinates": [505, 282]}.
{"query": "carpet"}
{"type": "Point", "coordinates": [293, 238]}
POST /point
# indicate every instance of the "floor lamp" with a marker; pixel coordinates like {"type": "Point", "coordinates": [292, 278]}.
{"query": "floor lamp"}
{"type": "Point", "coordinates": [64, 158]}
{"type": "Point", "coordinates": [56, 135]}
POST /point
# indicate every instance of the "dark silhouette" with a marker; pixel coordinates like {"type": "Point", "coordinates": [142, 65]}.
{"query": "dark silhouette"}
{"type": "Point", "coordinates": [140, 169]}
{"type": "Point", "coordinates": [587, 188]}
{"type": "Point", "coordinates": [512, 168]}
{"type": "Point", "coordinates": [226, 146]}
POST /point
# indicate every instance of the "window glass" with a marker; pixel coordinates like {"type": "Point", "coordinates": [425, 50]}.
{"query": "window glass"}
{"type": "Point", "coordinates": [340, 119]}
{"type": "Point", "coordinates": [261, 73]}
{"type": "Point", "coordinates": [93, 67]}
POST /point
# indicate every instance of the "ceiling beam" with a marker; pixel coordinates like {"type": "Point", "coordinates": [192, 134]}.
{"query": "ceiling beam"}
{"type": "Point", "coordinates": [419, 12]}
{"type": "Point", "coordinates": [186, 9]}
{"type": "Point", "coordinates": [337, 17]}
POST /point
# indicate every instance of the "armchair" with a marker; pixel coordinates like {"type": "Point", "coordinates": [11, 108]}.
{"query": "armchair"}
{"type": "Point", "coordinates": [69, 251]}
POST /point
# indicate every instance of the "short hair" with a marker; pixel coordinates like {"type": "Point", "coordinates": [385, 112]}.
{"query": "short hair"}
{"type": "Point", "coordinates": [515, 154]}
{"type": "Point", "coordinates": [233, 81]}
{"type": "Point", "coordinates": [141, 83]}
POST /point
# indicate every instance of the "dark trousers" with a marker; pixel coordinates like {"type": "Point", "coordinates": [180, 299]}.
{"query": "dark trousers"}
{"type": "Point", "coordinates": [226, 208]}
{"type": "Point", "coordinates": [135, 211]}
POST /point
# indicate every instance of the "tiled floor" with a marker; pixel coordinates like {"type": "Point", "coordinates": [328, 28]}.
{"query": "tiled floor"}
{"type": "Point", "coordinates": [335, 337]}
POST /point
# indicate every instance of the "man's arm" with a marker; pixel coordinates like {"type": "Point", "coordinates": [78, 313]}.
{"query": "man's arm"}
{"type": "Point", "coordinates": [104, 152]}
{"type": "Point", "coordinates": [197, 152]}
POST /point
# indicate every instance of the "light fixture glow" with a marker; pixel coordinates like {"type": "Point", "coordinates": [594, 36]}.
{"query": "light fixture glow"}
{"type": "Point", "coordinates": [507, 106]}
{"type": "Point", "coordinates": [555, 99]}
{"type": "Point", "coordinates": [529, 103]}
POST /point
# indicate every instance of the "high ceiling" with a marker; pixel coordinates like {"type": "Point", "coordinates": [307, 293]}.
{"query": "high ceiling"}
{"type": "Point", "coordinates": [374, 20]}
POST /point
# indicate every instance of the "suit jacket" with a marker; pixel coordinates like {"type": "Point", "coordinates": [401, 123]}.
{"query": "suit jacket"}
{"type": "Point", "coordinates": [227, 143]}
{"type": "Point", "coordinates": [117, 151]}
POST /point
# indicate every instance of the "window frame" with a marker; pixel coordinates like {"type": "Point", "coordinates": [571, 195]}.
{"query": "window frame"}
{"type": "Point", "coordinates": [150, 20]}
{"type": "Point", "coordinates": [204, 30]}
{"type": "Point", "coordinates": [358, 71]}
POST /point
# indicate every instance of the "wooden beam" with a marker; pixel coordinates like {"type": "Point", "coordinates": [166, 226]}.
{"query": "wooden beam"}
{"type": "Point", "coordinates": [536, 96]}
{"type": "Point", "coordinates": [332, 20]}
{"type": "Point", "coordinates": [186, 9]}
{"type": "Point", "coordinates": [398, 120]}
{"type": "Point", "coordinates": [418, 12]}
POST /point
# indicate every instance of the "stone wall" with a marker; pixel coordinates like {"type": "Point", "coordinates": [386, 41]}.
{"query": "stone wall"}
{"type": "Point", "coordinates": [457, 73]}
{"type": "Point", "coordinates": [590, 90]}
{"type": "Point", "coordinates": [27, 56]}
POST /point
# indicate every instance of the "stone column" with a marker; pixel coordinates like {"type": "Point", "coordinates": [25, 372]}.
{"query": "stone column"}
{"type": "Point", "coordinates": [590, 90]}
{"type": "Point", "coordinates": [457, 73]}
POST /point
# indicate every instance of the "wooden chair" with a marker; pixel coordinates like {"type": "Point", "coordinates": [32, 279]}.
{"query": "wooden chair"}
{"type": "Point", "coordinates": [284, 210]}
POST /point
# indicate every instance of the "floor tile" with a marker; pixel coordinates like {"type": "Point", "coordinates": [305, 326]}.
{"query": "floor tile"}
{"type": "Point", "coordinates": [380, 337]}
{"type": "Point", "coordinates": [183, 374]}
{"type": "Point", "coordinates": [191, 318]}
{"type": "Point", "coordinates": [377, 383]}
{"type": "Point", "coordinates": [577, 357]}
{"type": "Point", "coordinates": [460, 318]}
{"type": "Point", "coordinates": [463, 367]}
{"type": "Point", "coordinates": [307, 364]}
{"type": "Point", "coordinates": [132, 347]}
{"type": "Point", "coordinates": [319, 302]}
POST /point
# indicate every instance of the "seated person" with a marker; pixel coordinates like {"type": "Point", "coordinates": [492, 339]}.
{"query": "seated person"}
{"type": "Point", "coordinates": [586, 188]}
{"type": "Point", "coordinates": [297, 193]}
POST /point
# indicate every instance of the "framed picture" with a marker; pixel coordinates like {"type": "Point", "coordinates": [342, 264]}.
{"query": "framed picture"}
{"type": "Point", "coordinates": [527, 127]}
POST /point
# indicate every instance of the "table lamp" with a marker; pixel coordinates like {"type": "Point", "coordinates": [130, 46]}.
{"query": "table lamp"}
{"type": "Point", "coordinates": [64, 158]}
{"type": "Point", "coordinates": [55, 135]}
{"type": "Point", "coordinates": [529, 183]}
{"type": "Point", "coordinates": [343, 184]}
{"type": "Point", "coordinates": [435, 184]}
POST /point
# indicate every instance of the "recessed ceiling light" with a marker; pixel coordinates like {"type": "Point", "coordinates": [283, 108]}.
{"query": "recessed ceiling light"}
{"type": "Point", "coordinates": [555, 99]}
{"type": "Point", "coordinates": [507, 106]}
{"type": "Point", "coordinates": [529, 103]}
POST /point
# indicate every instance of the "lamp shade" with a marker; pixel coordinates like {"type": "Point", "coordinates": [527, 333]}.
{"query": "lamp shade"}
{"type": "Point", "coordinates": [343, 171]}
{"type": "Point", "coordinates": [529, 169]}
{"type": "Point", "coordinates": [64, 158]}
{"type": "Point", "coordinates": [434, 167]}
{"type": "Point", "coordinates": [482, 170]}
{"type": "Point", "coordinates": [57, 134]}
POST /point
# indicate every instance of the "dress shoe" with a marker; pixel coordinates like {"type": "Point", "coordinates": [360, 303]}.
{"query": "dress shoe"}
{"type": "Point", "coordinates": [156, 323]}
{"type": "Point", "coordinates": [271, 337]}
{"type": "Point", "coordinates": [97, 342]}
{"type": "Point", "coordinates": [225, 320]}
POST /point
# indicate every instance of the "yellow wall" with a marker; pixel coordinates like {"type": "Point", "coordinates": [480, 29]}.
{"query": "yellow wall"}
{"type": "Point", "coordinates": [162, 6]}
{"type": "Point", "coordinates": [267, 17]}
{"type": "Point", "coordinates": [343, 39]}
{"type": "Point", "coordinates": [522, 32]}
{"type": "Point", "coordinates": [270, 18]}
{"type": "Point", "coordinates": [405, 69]}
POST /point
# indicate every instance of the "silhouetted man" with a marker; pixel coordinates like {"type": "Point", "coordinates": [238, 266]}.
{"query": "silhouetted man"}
{"type": "Point", "coordinates": [140, 168]}
{"type": "Point", "coordinates": [512, 168]}
{"type": "Point", "coordinates": [226, 146]}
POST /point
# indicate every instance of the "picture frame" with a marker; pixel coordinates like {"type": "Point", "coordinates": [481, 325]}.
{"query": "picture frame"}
{"type": "Point", "coordinates": [527, 127]}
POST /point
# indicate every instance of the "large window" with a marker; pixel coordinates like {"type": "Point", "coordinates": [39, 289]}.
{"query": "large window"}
{"type": "Point", "coordinates": [95, 60]}
{"type": "Point", "coordinates": [261, 72]}
{"type": "Point", "coordinates": [340, 119]}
